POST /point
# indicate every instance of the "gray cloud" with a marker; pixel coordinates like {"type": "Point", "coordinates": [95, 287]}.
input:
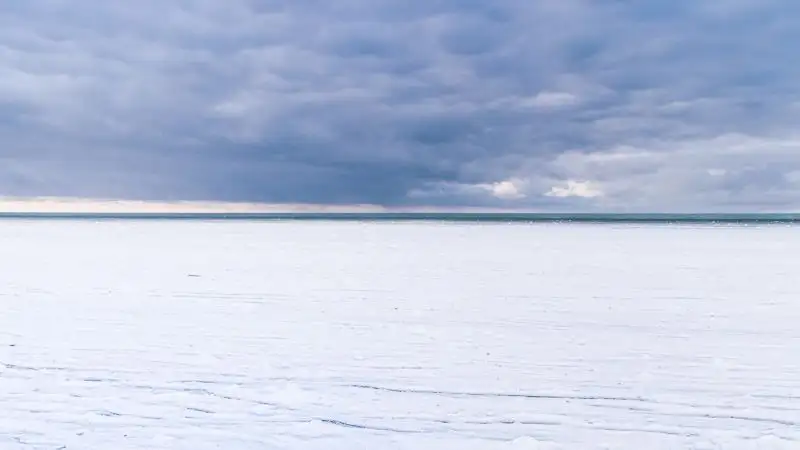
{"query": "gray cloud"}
{"type": "Point", "coordinates": [569, 104]}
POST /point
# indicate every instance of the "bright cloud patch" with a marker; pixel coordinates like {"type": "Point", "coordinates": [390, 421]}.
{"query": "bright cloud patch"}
{"type": "Point", "coordinates": [506, 190]}
{"type": "Point", "coordinates": [551, 100]}
{"type": "Point", "coordinates": [583, 189]}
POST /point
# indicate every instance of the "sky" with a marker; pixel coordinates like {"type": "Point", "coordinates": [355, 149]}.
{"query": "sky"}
{"type": "Point", "coordinates": [546, 105]}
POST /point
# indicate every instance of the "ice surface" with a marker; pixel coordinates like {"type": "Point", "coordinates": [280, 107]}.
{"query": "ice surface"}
{"type": "Point", "coordinates": [339, 336]}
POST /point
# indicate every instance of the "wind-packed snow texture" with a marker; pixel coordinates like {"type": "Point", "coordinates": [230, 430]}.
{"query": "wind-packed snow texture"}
{"type": "Point", "coordinates": [319, 335]}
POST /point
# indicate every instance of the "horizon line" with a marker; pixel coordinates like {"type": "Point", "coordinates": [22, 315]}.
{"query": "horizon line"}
{"type": "Point", "coordinates": [39, 206]}
{"type": "Point", "coordinates": [496, 217]}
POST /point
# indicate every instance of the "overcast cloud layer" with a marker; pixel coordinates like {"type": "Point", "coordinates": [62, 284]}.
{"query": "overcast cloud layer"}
{"type": "Point", "coordinates": [543, 104]}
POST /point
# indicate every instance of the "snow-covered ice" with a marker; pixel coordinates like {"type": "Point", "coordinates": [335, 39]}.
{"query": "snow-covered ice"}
{"type": "Point", "coordinates": [322, 335]}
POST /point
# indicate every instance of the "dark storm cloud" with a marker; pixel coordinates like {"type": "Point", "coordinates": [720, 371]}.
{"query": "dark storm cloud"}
{"type": "Point", "coordinates": [546, 104]}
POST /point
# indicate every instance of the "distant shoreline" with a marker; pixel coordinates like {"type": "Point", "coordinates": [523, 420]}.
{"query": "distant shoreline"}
{"type": "Point", "coordinates": [739, 218]}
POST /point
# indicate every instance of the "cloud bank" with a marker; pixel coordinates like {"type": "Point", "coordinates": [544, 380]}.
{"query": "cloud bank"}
{"type": "Point", "coordinates": [521, 104]}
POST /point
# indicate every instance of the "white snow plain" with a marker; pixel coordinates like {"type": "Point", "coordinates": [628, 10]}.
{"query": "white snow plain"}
{"type": "Point", "coordinates": [338, 336]}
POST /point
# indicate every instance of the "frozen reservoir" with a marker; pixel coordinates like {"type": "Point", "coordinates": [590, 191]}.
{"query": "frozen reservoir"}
{"type": "Point", "coordinates": [320, 335]}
